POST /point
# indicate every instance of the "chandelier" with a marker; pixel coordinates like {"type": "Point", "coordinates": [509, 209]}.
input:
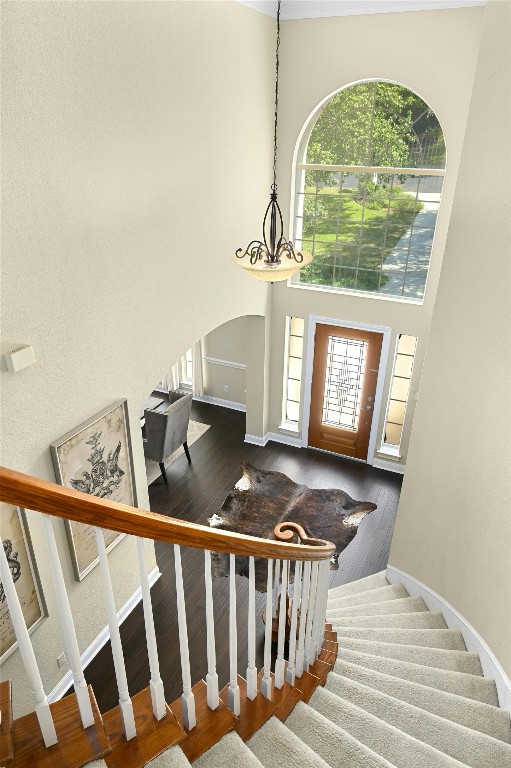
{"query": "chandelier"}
{"type": "Point", "coordinates": [273, 258]}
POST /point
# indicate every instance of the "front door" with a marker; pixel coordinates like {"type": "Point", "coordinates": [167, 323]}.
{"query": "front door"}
{"type": "Point", "coordinates": [344, 377]}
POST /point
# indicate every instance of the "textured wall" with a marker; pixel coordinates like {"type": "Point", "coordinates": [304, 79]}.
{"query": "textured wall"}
{"type": "Point", "coordinates": [132, 171]}
{"type": "Point", "coordinates": [453, 527]}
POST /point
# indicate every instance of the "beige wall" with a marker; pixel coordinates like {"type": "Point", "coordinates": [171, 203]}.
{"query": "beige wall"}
{"type": "Point", "coordinates": [132, 170]}
{"type": "Point", "coordinates": [453, 527]}
{"type": "Point", "coordinates": [226, 344]}
{"type": "Point", "coordinates": [434, 53]}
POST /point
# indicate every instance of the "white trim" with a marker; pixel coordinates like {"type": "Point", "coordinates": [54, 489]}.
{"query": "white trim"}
{"type": "Point", "coordinates": [227, 363]}
{"type": "Point", "coordinates": [102, 639]}
{"type": "Point", "coordinates": [285, 439]}
{"type": "Point", "coordinates": [390, 466]}
{"type": "Point", "coordinates": [386, 332]}
{"type": "Point", "coordinates": [223, 403]}
{"type": "Point", "coordinates": [492, 668]}
{"type": "Point", "coordinates": [256, 439]}
{"type": "Point", "coordinates": [315, 9]}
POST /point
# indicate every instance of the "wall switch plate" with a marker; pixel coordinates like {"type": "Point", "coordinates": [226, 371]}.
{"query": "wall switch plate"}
{"type": "Point", "coordinates": [226, 388]}
{"type": "Point", "coordinates": [61, 660]}
{"type": "Point", "coordinates": [19, 359]}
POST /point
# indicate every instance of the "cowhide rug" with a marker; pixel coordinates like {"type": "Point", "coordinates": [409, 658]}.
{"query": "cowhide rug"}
{"type": "Point", "coordinates": [261, 499]}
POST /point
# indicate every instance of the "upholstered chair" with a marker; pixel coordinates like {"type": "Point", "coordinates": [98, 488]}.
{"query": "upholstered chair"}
{"type": "Point", "coordinates": [167, 430]}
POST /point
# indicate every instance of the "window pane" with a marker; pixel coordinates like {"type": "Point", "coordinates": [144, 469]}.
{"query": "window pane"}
{"type": "Point", "coordinates": [297, 325]}
{"type": "Point", "coordinates": [399, 389]}
{"type": "Point", "coordinates": [406, 344]}
{"type": "Point", "coordinates": [293, 390]}
{"type": "Point", "coordinates": [396, 412]}
{"type": "Point", "coordinates": [295, 368]}
{"type": "Point", "coordinates": [292, 411]}
{"type": "Point", "coordinates": [403, 366]}
{"type": "Point", "coordinates": [295, 346]}
{"type": "Point", "coordinates": [393, 434]}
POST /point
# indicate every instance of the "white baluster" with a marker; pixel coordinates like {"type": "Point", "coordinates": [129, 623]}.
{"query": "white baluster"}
{"type": "Point", "coordinates": [68, 628]}
{"type": "Point", "coordinates": [304, 606]}
{"type": "Point", "coordinates": [233, 698]}
{"type": "Point", "coordinates": [290, 671]}
{"type": "Point", "coordinates": [156, 683]}
{"type": "Point", "coordinates": [125, 703]}
{"type": "Point", "coordinates": [266, 682]}
{"type": "Point", "coordinates": [309, 655]}
{"type": "Point", "coordinates": [319, 621]}
{"type": "Point", "coordinates": [276, 585]}
{"type": "Point", "coordinates": [280, 664]}
{"type": "Point", "coordinates": [211, 677]}
{"type": "Point", "coordinates": [251, 668]}
{"type": "Point", "coordinates": [42, 708]}
{"type": "Point", "coordinates": [187, 699]}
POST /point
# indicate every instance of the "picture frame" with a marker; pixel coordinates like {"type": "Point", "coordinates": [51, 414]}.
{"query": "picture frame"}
{"type": "Point", "coordinates": [15, 537]}
{"type": "Point", "coordinates": [96, 458]}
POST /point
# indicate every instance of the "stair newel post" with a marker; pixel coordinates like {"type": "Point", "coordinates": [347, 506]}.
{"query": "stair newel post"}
{"type": "Point", "coordinates": [290, 671]}
{"type": "Point", "coordinates": [324, 597]}
{"type": "Point", "coordinates": [42, 708]}
{"type": "Point", "coordinates": [68, 627]}
{"type": "Point", "coordinates": [233, 698]}
{"type": "Point", "coordinates": [187, 699]}
{"type": "Point", "coordinates": [304, 605]}
{"type": "Point", "coordinates": [211, 677]}
{"type": "Point", "coordinates": [309, 653]}
{"type": "Point", "coordinates": [276, 585]}
{"type": "Point", "coordinates": [266, 682]}
{"type": "Point", "coordinates": [280, 664]}
{"type": "Point", "coordinates": [251, 668]}
{"type": "Point", "coordinates": [125, 703]}
{"type": "Point", "coordinates": [156, 683]}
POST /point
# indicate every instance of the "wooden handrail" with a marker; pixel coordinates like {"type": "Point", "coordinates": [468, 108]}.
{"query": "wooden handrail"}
{"type": "Point", "coordinates": [42, 496]}
{"type": "Point", "coordinates": [287, 530]}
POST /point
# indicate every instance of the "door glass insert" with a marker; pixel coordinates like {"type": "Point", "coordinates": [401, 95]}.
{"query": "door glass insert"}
{"type": "Point", "coordinates": [344, 381]}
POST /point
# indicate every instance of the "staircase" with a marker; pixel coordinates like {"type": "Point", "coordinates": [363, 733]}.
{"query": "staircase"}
{"type": "Point", "coordinates": [403, 692]}
{"type": "Point", "coordinates": [361, 676]}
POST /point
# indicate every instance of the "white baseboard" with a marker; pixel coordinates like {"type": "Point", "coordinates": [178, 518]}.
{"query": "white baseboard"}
{"type": "Point", "coordinates": [285, 439]}
{"type": "Point", "coordinates": [256, 440]}
{"type": "Point", "coordinates": [102, 639]}
{"type": "Point", "coordinates": [492, 668]}
{"type": "Point", "coordinates": [223, 403]}
{"type": "Point", "coordinates": [275, 437]}
{"type": "Point", "coordinates": [390, 466]}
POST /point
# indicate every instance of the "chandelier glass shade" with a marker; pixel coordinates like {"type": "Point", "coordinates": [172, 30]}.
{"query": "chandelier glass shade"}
{"type": "Point", "coordinates": [272, 258]}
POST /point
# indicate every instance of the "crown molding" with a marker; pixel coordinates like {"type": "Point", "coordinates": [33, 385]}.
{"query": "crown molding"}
{"type": "Point", "coordinates": [316, 9]}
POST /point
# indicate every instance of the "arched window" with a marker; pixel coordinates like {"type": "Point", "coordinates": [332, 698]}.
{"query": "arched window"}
{"type": "Point", "coordinates": [368, 184]}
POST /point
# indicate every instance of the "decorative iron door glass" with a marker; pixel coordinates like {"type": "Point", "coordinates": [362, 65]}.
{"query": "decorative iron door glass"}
{"type": "Point", "coordinates": [344, 377]}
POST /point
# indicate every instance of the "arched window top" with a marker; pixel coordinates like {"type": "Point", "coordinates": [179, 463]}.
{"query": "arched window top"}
{"type": "Point", "coordinates": [369, 179]}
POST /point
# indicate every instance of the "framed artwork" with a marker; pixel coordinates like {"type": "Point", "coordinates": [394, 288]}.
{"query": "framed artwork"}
{"type": "Point", "coordinates": [96, 458]}
{"type": "Point", "coordinates": [20, 557]}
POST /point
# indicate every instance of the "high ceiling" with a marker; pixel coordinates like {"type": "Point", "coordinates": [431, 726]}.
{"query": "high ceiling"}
{"type": "Point", "coordinates": [312, 9]}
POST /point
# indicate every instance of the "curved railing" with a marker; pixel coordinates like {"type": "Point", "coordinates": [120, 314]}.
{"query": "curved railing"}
{"type": "Point", "coordinates": [299, 618]}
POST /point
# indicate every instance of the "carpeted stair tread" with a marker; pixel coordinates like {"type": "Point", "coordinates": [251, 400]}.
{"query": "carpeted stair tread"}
{"type": "Point", "coordinates": [228, 752]}
{"type": "Point", "coordinates": [448, 639]}
{"type": "Point", "coordinates": [332, 742]}
{"type": "Point", "coordinates": [471, 713]}
{"type": "Point", "coordinates": [420, 620]}
{"type": "Point", "coordinates": [171, 758]}
{"type": "Point", "coordinates": [438, 658]}
{"type": "Point", "coordinates": [473, 748]}
{"type": "Point", "coordinates": [459, 683]}
{"type": "Point", "coordinates": [275, 746]}
{"type": "Point", "coordinates": [400, 749]}
{"type": "Point", "coordinates": [392, 592]}
{"type": "Point", "coordinates": [97, 764]}
{"type": "Point", "coordinates": [360, 585]}
{"type": "Point", "coordinates": [401, 605]}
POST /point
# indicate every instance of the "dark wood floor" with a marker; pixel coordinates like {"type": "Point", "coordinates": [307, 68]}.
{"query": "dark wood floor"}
{"type": "Point", "coordinates": [194, 493]}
